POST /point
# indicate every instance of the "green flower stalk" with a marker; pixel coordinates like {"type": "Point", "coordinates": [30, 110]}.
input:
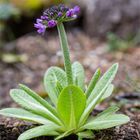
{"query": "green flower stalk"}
{"type": "Point", "coordinates": [55, 16]}
{"type": "Point", "coordinates": [71, 104]}
{"type": "Point", "coordinates": [66, 55]}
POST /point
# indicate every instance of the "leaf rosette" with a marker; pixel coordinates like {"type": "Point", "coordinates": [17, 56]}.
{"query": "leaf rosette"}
{"type": "Point", "coordinates": [71, 103]}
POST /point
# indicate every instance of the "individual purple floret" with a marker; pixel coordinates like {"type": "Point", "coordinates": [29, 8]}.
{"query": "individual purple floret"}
{"type": "Point", "coordinates": [70, 13]}
{"type": "Point", "coordinates": [54, 15]}
{"type": "Point", "coordinates": [40, 28]}
{"type": "Point", "coordinates": [39, 20]}
{"type": "Point", "coordinates": [44, 18]}
{"type": "Point", "coordinates": [52, 23]}
{"type": "Point", "coordinates": [76, 9]}
{"type": "Point", "coordinates": [60, 14]}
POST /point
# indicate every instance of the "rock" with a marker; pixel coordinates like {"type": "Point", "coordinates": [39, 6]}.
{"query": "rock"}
{"type": "Point", "coordinates": [118, 16]}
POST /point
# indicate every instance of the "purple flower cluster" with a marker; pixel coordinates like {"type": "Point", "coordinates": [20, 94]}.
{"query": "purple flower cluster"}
{"type": "Point", "coordinates": [54, 15]}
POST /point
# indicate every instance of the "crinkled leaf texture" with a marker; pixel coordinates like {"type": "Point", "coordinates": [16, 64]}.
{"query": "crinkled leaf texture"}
{"type": "Point", "coordinates": [93, 82]}
{"type": "Point", "coordinates": [107, 92]}
{"type": "Point", "coordinates": [98, 92]}
{"type": "Point", "coordinates": [71, 104]}
{"type": "Point", "coordinates": [31, 104]}
{"type": "Point", "coordinates": [54, 79]}
{"type": "Point", "coordinates": [78, 75]}
{"type": "Point", "coordinates": [106, 119]}
{"type": "Point", "coordinates": [44, 130]}
{"type": "Point", "coordinates": [39, 99]}
{"type": "Point", "coordinates": [71, 113]}
{"type": "Point", "coordinates": [107, 122]}
{"type": "Point", "coordinates": [24, 115]}
{"type": "Point", "coordinates": [104, 82]}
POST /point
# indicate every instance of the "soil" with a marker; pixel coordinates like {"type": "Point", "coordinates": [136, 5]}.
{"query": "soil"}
{"type": "Point", "coordinates": [42, 52]}
{"type": "Point", "coordinates": [10, 129]}
{"type": "Point", "coordinates": [130, 131]}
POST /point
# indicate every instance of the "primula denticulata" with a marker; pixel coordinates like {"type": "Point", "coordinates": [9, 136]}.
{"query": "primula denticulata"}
{"type": "Point", "coordinates": [71, 103]}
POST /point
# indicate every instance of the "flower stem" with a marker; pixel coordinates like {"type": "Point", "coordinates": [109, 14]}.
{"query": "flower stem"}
{"type": "Point", "coordinates": [66, 54]}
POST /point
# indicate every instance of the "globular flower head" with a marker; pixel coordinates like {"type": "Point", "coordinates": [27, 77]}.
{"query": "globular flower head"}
{"type": "Point", "coordinates": [54, 15]}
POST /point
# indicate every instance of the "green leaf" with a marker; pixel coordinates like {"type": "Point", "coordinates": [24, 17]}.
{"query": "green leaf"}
{"type": "Point", "coordinates": [67, 133]}
{"type": "Point", "coordinates": [108, 111]}
{"type": "Point", "coordinates": [29, 103]}
{"type": "Point", "coordinates": [44, 130]}
{"type": "Point", "coordinates": [93, 82]}
{"type": "Point", "coordinates": [86, 134]}
{"type": "Point", "coordinates": [39, 99]}
{"type": "Point", "coordinates": [59, 87]}
{"type": "Point", "coordinates": [104, 82]}
{"type": "Point", "coordinates": [108, 92]}
{"type": "Point", "coordinates": [109, 121]}
{"type": "Point", "coordinates": [24, 115]}
{"type": "Point", "coordinates": [78, 75]}
{"type": "Point", "coordinates": [98, 92]}
{"type": "Point", "coordinates": [71, 104]}
{"type": "Point", "coordinates": [51, 78]}
{"type": "Point", "coordinates": [89, 109]}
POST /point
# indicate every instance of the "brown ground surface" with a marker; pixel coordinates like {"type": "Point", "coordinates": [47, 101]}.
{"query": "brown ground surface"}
{"type": "Point", "coordinates": [42, 53]}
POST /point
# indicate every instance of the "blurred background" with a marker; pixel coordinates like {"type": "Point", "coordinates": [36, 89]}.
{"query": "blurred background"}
{"type": "Point", "coordinates": [105, 32]}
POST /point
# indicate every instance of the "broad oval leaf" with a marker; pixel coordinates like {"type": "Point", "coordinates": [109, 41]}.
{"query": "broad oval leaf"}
{"type": "Point", "coordinates": [71, 104]}
{"type": "Point", "coordinates": [109, 121]}
{"type": "Point", "coordinates": [54, 77]}
{"type": "Point", "coordinates": [44, 130]}
{"type": "Point", "coordinates": [24, 115]}
{"type": "Point", "coordinates": [29, 103]}
{"type": "Point", "coordinates": [78, 75]}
